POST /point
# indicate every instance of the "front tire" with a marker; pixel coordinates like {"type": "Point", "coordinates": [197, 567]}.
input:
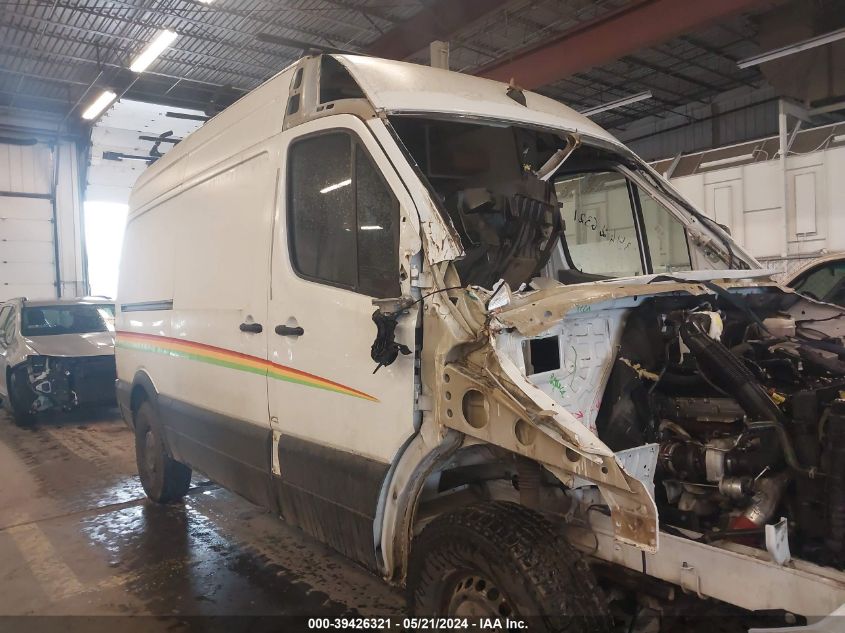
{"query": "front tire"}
{"type": "Point", "coordinates": [502, 560]}
{"type": "Point", "coordinates": [164, 479]}
{"type": "Point", "coordinates": [20, 399]}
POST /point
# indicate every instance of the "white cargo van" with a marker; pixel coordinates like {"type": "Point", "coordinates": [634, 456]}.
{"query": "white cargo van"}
{"type": "Point", "coordinates": [461, 334]}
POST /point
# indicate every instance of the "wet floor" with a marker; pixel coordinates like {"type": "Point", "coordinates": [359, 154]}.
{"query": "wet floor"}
{"type": "Point", "coordinates": [77, 537]}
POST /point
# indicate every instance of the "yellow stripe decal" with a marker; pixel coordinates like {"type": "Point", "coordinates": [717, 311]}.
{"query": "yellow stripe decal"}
{"type": "Point", "coordinates": [221, 357]}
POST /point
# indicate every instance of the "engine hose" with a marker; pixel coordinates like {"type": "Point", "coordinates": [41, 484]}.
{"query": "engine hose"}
{"type": "Point", "coordinates": [727, 372]}
{"type": "Point", "coordinates": [767, 496]}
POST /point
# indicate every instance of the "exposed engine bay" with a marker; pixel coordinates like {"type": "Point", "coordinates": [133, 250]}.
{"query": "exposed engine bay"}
{"type": "Point", "coordinates": [746, 405]}
{"type": "Point", "coordinates": [54, 382]}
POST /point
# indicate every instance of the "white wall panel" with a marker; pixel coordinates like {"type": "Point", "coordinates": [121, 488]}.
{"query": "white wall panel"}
{"type": "Point", "coordinates": [750, 200]}
{"type": "Point", "coordinates": [692, 188]}
{"type": "Point", "coordinates": [764, 232]}
{"type": "Point", "coordinates": [835, 181]}
{"type": "Point", "coordinates": [25, 168]}
{"type": "Point", "coordinates": [805, 203]}
{"type": "Point", "coordinates": [29, 221]}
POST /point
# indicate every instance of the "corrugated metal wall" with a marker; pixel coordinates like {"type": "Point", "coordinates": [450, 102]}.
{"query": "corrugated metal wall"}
{"type": "Point", "coordinates": [731, 120]}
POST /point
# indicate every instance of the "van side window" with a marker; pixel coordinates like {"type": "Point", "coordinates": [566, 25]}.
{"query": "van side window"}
{"type": "Point", "coordinates": [343, 218]}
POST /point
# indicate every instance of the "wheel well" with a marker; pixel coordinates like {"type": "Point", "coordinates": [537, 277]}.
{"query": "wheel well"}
{"type": "Point", "coordinates": [139, 394]}
{"type": "Point", "coordinates": [482, 473]}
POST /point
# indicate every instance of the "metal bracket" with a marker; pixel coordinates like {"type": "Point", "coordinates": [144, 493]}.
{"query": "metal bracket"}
{"type": "Point", "coordinates": [777, 541]}
{"type": "Point", "coordinates": [424, 403]}
{"type": "Point", "coordinates": [690, 582]}
{"type": "Point", "coordinates": [420, 279]}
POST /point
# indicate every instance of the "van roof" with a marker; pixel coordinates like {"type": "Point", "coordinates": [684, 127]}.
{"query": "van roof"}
{"type": "Point", "coordinates": [391, 87]}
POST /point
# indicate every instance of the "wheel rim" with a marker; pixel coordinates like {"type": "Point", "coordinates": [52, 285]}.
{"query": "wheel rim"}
{"type": "Point", "coordinates": [474, 596]}
{"type": "Point", "coordinates": [150, 452]}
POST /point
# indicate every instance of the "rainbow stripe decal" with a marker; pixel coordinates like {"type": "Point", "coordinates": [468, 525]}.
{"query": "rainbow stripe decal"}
{"type": "Point", "coordinates": [221, 357]}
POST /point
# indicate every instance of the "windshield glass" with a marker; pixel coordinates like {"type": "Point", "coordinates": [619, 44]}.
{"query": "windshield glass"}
{"type": "Point", "coordinates": [67, 319]}
{"type": "Point", "coordinates": [528, 202]}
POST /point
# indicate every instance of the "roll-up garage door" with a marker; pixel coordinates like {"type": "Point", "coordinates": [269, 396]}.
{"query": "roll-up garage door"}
{"type": "Point", "coordinates": [27, 235]}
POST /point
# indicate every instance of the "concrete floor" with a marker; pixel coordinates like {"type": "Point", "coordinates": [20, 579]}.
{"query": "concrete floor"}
{"type": "Point", "coordinates": [78, 537]}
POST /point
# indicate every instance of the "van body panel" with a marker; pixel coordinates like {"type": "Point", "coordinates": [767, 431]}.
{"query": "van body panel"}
{"type": "Point", "coordinates": [338, 332]}
{"type": "Point", "coordinates": [251, 121]}
{"type": "Point", "coordinates": [199, 341]}
{"type": "Point", "coordinates": [331, 472]}
{"type": "Point", "coordinates": [395, 86]}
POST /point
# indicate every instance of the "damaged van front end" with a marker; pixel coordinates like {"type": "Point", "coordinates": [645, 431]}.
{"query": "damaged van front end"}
{"type": "Point", "coordinates": [648, 379]}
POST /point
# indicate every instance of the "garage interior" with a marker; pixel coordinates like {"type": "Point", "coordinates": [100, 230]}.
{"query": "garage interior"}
{"type": "Point", "coordinates": [739, 103]}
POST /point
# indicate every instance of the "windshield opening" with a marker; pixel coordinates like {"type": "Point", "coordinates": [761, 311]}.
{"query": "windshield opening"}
{"type": "Point", "coordinates": [69, 319]}
{"type": "Point", "coordinates": [614, 228]}
{"type": "Point", "coordinates": [595, 214]}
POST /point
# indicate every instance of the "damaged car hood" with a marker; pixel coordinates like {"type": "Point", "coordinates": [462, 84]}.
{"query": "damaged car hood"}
{"type": "Point", "coordinates": [72, 345]}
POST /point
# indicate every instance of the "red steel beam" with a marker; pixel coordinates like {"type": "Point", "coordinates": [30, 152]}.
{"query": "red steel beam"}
{"type": "Point", "coordinates": [641, 24]}
{"type": "Point", "coordinates": [439, 20]}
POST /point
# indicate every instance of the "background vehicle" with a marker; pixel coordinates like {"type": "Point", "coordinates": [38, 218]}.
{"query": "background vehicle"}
{"type": "Point", "coordinates": [56, 354]}
{"type": "Point", "coordinates": [562, 344]}
{"type": "Point", "coordinates": [822, 279]}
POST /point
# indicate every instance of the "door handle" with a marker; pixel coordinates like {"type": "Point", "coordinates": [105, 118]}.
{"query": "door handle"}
{"type": "Point", "coordinates": [253, 328]}
{"type": "Point", "coordinates": [286, 330]}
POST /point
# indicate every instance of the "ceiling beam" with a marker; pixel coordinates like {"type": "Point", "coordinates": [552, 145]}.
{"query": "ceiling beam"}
{"type": "Point", "coordinates": [437, 20]}
{"type": "Point", "coordinates": [641, 24]}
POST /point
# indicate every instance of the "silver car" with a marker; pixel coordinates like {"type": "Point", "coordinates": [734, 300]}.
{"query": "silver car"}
{"type": "Point", "coordinates": [56, 354]}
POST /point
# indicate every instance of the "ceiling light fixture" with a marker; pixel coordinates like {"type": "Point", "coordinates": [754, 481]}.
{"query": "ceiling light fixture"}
{"type": "Point", "coordinates": [813, 42]}
{"type": "Point", "coordinates": [99, 104]}
{"type": "Point", "coordinates": [153, 50]}
{"type": "Point", "coordinates": [618, 103]}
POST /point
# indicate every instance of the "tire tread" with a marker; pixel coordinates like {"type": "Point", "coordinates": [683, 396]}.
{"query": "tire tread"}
{"type": "Point", "coordinates": [555, 574]}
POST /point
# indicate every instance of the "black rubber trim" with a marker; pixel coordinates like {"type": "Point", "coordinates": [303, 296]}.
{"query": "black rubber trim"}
{"type": "Point", "coordinates": [231, 452]}
{"type": "Point", "coordinates": [24, 194]}
{"type": "Point", "coordinates": [332, 494]}
{"type": "Point", "coordinates": [123, 393]}
{"type": "Point", "coordinates": [147, 306]}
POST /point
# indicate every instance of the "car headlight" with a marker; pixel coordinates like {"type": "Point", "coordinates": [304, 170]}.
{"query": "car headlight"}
{"type": "Point", "coordinates": [38, 364]}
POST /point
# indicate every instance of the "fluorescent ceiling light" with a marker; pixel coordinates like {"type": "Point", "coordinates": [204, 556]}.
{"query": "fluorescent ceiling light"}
{"type": "Point", "coordinates": [839, 138]}
{"type": "Point", "coordinates": [813, 42]}
{"type": "Point", "coordinates": [338, 185]}
{"type": "Point", "coordinates": [100, 104]}
{"type": "Point", "coordinates": [727, 161]}
{"type": "Point", "coordinates": [153, 50]}
{"type": "Point", "coordinates": [618, 103]}
{"type": "Point", "coordinates": [371, 227]}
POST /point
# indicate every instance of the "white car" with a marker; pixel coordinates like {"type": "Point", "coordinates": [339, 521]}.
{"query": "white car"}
{"type": "Point", "coordinates": [56, 354]}
{"type": "Point", "coordinates": [466, 337]}
{"type": "Point", "coordinates": [822, 279]}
